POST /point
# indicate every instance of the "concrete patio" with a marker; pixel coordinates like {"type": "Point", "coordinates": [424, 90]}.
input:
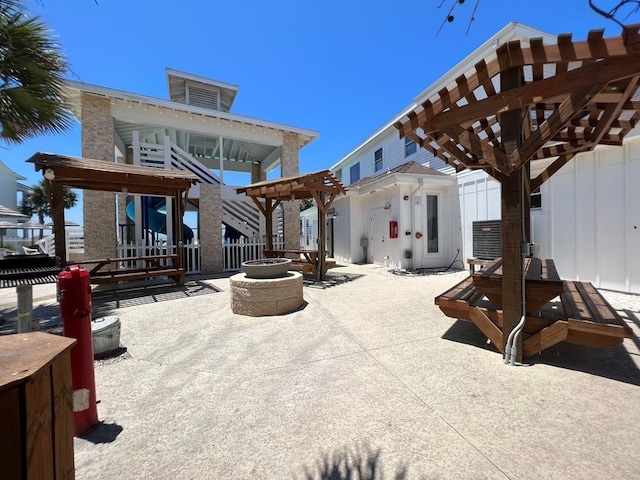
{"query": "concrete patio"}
{"type": "Point", "coordinates": [368, 369]}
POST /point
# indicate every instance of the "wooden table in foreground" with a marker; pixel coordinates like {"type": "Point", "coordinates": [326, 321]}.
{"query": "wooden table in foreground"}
{"type": "Point", "coordinates": [36, 407]}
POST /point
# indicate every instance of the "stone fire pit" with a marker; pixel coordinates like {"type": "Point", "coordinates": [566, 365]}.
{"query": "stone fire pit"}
{"type": "Point", "coordinates": [266, 288]}
{"type": "Point", "coordinates": [266, 267]}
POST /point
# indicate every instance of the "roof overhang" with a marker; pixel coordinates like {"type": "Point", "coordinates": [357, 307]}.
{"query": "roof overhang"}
{"type": "Point", "coordinates": [134, 108]}
{"type": "Point", "coordinates": [307, 185]}
{"type": "Point", "coordinates": [391, 180]}
{"type": "Point", "coordinates": [90, 174]}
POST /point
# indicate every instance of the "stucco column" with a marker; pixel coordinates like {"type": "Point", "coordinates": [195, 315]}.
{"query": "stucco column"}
{"type": "Point", "coordinates": [257, 174]}
{"type": "Point", "coordinates": [290, 166]}
{"type": "Point", "coordinates": [99, 208]}
{"type": "Point", "coordinates": [210, 228]}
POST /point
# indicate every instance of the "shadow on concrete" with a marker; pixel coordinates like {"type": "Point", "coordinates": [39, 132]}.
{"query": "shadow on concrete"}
{"type": "Point", "coordinates": [633, 320]}
{"type": "Point", "coordinates": [103, 433]}
{"type": "Point", "coordinates": [332, 280]}
{"type": "Point", "coordinates": [361, 463]}
{"type": "Point", "coordinates": [421, 272]}
{"type": "Point", "coordinates": [615, 363]}
{"type": "Point", "coordinates": [104, 302]}
{"type": "Point", "coordinates": [48, 315]}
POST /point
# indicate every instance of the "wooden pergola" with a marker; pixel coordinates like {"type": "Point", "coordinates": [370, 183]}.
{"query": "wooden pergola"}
{"type": "Point", "coordinates": [88, 174]}
{"type": "Point", "coordinates": [528, 102]}
{"type": "Point", "coordinates": [320, 186]}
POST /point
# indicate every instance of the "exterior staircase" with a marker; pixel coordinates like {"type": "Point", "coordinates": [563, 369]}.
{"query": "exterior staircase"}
{"type": "Point", "coordinates": [238, 213]}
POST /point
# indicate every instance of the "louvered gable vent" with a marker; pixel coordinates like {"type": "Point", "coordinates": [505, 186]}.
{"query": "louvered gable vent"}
{"type": "Point", "coordinates": [199, 96]}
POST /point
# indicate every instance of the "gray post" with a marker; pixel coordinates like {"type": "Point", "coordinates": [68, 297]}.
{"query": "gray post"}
{"type": "Point", "coordinates": [25, 308]}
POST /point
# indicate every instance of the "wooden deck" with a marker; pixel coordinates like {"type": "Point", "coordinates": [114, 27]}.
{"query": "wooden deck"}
{"type": "Point", "coordinates": [579, 315]}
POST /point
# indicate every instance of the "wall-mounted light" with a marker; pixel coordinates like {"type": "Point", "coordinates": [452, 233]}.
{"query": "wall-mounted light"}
{"type": "Point", "coordinates": [387, 206]}
{"type": "Point", "coordinates": [125, 190]}
{"type": "Point", "coordinates": [49, 174]}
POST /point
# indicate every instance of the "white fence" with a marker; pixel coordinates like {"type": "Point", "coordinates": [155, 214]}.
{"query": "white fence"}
{"type": "Point", "coordinates": [237, 251]}
{"type": "Point", "coordinates": [190, 257]}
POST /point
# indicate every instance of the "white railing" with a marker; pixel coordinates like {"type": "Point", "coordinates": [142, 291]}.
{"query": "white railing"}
{"type": "Point", "coordinates": [190, 257]}
{"type": "Point", "coordinates": [235, 252]}
{"type": "Point", "coordinates": [170, 155]}
{"type": "Point", "coordinates": [74, 243]}
{"type": "Point", "coordinates": [240, 213]}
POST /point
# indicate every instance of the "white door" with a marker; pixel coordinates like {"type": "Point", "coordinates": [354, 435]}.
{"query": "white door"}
{"type": "Point", "coordinates": [379, 235]}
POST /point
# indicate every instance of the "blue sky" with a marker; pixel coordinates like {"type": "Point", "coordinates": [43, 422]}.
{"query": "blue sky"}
{"type": "Point", "coordinates": [340, 67]}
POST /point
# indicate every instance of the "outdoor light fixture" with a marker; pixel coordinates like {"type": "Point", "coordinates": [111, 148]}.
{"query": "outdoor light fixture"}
{"type": "Point", "coordinates": [49, 174]}
{"type": "Point", "coordinates": [125, 190]}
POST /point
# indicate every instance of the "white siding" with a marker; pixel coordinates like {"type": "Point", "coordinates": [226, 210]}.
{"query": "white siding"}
{"type": "Point", "coordinates": [589, 222]}
{"type": "Point", "coordinates": [392, 156]}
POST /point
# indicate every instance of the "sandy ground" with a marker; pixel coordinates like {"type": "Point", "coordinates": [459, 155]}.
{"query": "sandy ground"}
{"type": "Point", "coordinates": [368, 373]}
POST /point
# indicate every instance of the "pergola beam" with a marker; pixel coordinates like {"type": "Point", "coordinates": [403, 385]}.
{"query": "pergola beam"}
{"type": "Point", "coordinates": [535, 92]}
{"type": "Point", "coordinates": [317, 185]}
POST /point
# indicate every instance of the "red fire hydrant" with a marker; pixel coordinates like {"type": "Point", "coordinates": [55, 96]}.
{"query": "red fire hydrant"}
{"type": "Point", "coordinates": [74, 296]}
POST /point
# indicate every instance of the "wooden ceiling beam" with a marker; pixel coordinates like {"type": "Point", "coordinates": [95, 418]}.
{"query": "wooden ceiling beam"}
{"type": "Point", "coordinates": [451, 148]}
{"type": "Point", "coordinates": [563, 149]}
{"type": "Point", "coordinates": [612, 111]}
{"type": "Point", "coordinates": [532, 93]}
{"type": "Point", "coordinates": [590, 122]}
{"type": "Point", "coordinates": [479, 148]}
{"type": "Point", "coordinates": [593, 48]}
{"type": "Point", "coordinates": [553, 125]}
{"type": "Point", "coordinates": [545, 175]}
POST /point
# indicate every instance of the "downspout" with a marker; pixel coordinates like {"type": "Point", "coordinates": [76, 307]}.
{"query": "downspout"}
{"type": "Point", "coordinates": [420, 185]}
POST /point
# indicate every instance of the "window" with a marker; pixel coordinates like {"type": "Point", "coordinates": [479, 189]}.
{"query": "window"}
{"type": "Point", "coordinates": [432, 224]}
{"type": "Point", "coordinates": [536, 199]}
{"type": "Point", "coordinates": [354, 173]}
{"type": "Point", "coordinates": [410, 147]}
{"type": "Point", "coordinates": [377, 160]}
{"type": "Point", "coordinates": [338, 174]}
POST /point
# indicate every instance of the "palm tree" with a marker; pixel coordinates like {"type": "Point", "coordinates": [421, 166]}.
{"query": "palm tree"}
{"type": "Point", "coordinates": [37, 202]}
{"type": "Point", "coordinates": [31, 68]}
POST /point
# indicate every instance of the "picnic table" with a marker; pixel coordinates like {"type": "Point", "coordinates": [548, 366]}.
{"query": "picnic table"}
{"type": "Point", "coordinates": [304, 260]}
{"type": "Point", "coordinates": [542, 282]}
{"type": "Point", "coordinates": [135, 268]}
{"type": "Point", "coordinates": [582, 315]}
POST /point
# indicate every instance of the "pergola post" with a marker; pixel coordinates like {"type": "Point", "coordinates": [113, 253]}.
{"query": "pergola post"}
{"type": "Point", "coordinates": [322, 235]}
{"type": "Point", "coordinates": [512, 216]}
{"type": "Point", "coordinates": [57, 215]}
{"type": "Point", "coordinates": [268, 205]}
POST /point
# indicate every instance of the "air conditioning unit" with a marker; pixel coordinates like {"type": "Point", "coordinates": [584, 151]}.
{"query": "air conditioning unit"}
{"type": "Point", "coordinates": [487, 239]}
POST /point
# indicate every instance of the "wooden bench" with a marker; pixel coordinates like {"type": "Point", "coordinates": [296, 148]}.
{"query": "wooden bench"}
{"type": "Point", "coordinates": [592, 320]}
{"type": "Point", "coordinates": [154, 266]}
{"type": "Point", "coordinates": [586, 318]}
